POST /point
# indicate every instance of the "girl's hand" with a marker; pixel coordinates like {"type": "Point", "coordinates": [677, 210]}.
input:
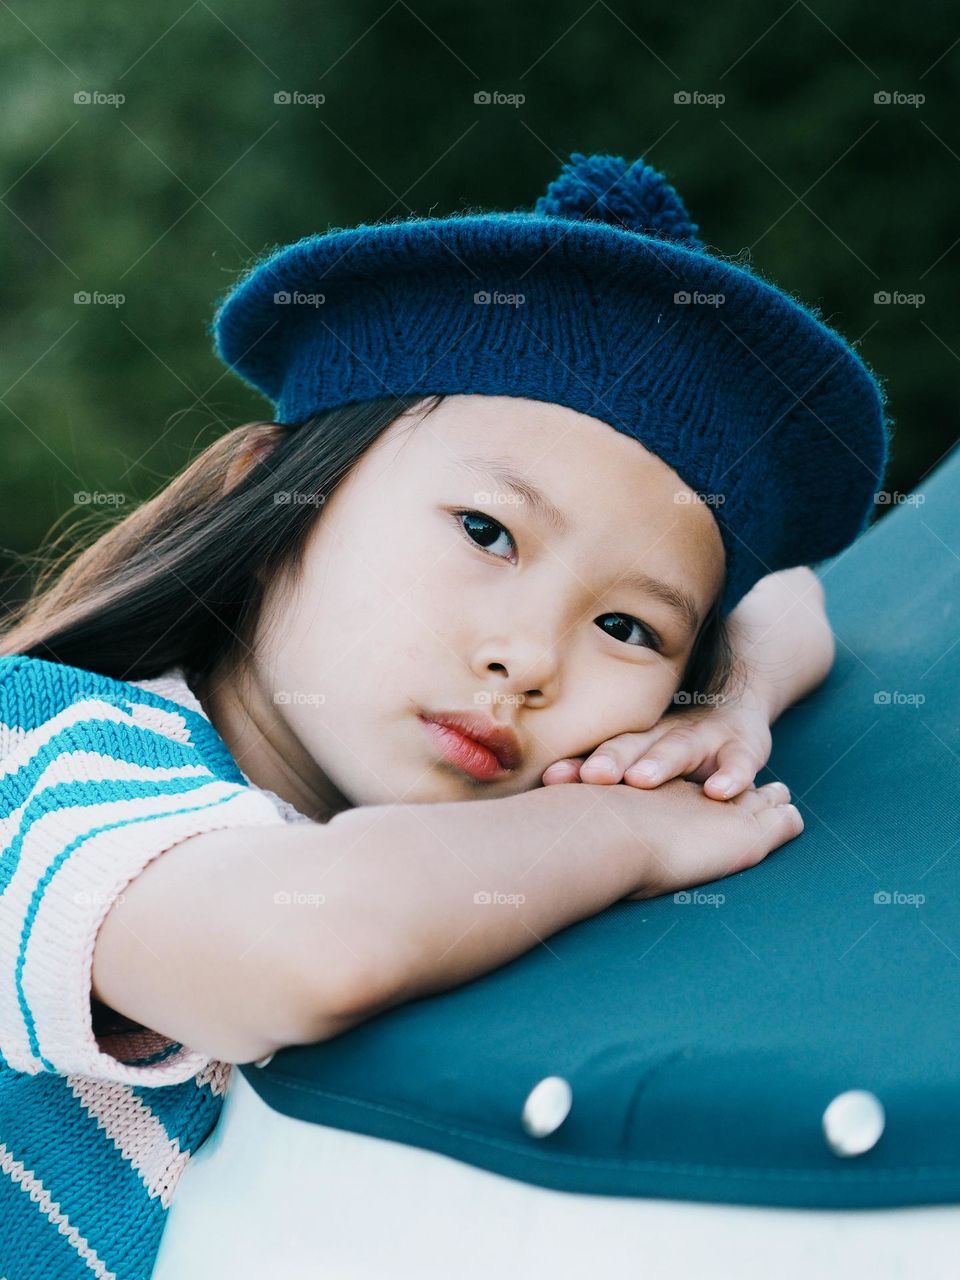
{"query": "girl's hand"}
{"type": "Point", "coordinates": [724, 746]}
{"type": "Point", "coordinates": [685, 838]}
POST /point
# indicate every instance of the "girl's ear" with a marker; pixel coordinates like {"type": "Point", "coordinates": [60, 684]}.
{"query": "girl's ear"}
{"type": "Point", "coordinates": [267, 437]}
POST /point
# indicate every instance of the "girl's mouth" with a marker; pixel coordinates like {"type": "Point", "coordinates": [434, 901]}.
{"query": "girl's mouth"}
{"type": "Point", "coordinates": [466, 753]}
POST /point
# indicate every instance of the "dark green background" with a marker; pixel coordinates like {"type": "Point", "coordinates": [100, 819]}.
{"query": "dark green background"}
{"type": "Point", "coordinates": [166, 197]}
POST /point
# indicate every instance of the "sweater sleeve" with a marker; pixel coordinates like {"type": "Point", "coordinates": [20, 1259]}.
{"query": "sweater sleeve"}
{"type": "Point", "coordinates": [97, 778]}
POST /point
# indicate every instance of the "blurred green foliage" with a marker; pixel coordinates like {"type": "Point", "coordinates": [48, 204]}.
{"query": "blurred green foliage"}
{"type": "Point", "coordinates": [165, 197]}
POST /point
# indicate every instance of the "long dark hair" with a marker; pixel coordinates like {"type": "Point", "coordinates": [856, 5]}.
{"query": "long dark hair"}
{"type": "Point", "coordinates": [180, 580]}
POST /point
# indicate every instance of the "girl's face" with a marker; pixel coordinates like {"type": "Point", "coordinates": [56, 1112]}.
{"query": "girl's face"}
{"type": "Point", "coordinates": [564, 609]}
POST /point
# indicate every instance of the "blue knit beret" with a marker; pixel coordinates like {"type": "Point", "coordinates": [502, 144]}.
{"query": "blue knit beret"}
{"type": "Point", "coordinates": [603, 298]}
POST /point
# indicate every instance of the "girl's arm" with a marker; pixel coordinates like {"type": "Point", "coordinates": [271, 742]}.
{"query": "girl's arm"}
{"type": "Point", "coordinates": [385, 903]}
{"type": "Point", "coordinates": [782, 639]}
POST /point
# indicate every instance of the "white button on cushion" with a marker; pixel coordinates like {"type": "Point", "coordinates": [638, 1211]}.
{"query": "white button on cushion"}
{"type": "Point", "coordinates": [853, 1122]}
{"type": "Point", "coordinates": [547, 1106]}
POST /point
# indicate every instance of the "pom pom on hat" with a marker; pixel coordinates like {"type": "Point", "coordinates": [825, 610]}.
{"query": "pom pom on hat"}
{"type": "Point", "coordinates": [636, 197]}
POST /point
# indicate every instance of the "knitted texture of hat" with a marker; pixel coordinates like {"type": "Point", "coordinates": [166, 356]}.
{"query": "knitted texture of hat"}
{"type": "Point", "coordinates": [603, 298]}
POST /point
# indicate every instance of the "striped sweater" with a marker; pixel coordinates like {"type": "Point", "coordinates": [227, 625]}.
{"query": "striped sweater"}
{"type": "Point", "coordinates": [98, 1116]}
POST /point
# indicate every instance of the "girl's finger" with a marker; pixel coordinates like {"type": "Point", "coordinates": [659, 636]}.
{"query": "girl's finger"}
{"type": "Point", "coordinates": [678, 752]}
{"type": "Point", "coordinates": [738, 766]}
{"type": "Point", "coordinates": [765, 797]}
{"type": "Point", "coordinates": [601, 767]}
{"type": "Point", "coordinates": [608, 762]}
{"type": "Point", "coordinates": [562, 771]}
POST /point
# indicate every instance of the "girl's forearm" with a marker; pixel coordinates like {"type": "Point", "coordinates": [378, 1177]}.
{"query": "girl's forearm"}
{"type": "Point", "coordinates": [782, 639]}
{"type": "Point", "coordinates": [237, 942]}
{"type": "Point", "coordinates": [462, 888]}
{"type": "Point", "coordinates": [240, 941]}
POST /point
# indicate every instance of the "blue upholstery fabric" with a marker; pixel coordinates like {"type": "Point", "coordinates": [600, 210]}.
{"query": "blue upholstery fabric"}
{"type": "Point", "coordinates": [703, 1041]}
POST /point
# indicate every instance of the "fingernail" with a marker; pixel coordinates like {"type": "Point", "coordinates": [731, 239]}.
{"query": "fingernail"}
{"type": "Point", "coordinates": [602, 762]}
{"type": "Point", "coordinates": [648, 768]}
{"type": "Point", "coordinates": [724, 783]}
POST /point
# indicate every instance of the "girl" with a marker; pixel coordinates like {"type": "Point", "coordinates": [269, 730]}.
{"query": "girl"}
{"type": "Point", "coordinates": [387, 624]}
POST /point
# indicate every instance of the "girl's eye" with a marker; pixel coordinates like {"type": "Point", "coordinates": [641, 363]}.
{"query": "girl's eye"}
{"type": "Point", "coordinates": [629, 630]}
{"type": "Point", "coordinates": [484, 531]}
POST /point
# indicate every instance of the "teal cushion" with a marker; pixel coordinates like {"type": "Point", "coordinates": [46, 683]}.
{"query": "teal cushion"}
{"type": "Point", "coordinates": [704, 1041]}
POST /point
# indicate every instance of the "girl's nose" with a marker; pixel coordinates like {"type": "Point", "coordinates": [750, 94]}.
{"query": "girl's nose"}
{"type": "Point", "coordinates": [523, 669]}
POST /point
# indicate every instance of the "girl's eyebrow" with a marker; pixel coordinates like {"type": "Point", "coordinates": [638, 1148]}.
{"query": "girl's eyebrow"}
{"type": "Point", "coordinates": [502, 473]}
{"type": "Point", "coordinates": [515, 482]}
{"type": "Point", "coordinates": [667, 593]}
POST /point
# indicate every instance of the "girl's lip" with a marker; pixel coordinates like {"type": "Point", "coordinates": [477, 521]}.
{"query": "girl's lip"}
{"type": "Point", "coordinates": [469, 754]}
